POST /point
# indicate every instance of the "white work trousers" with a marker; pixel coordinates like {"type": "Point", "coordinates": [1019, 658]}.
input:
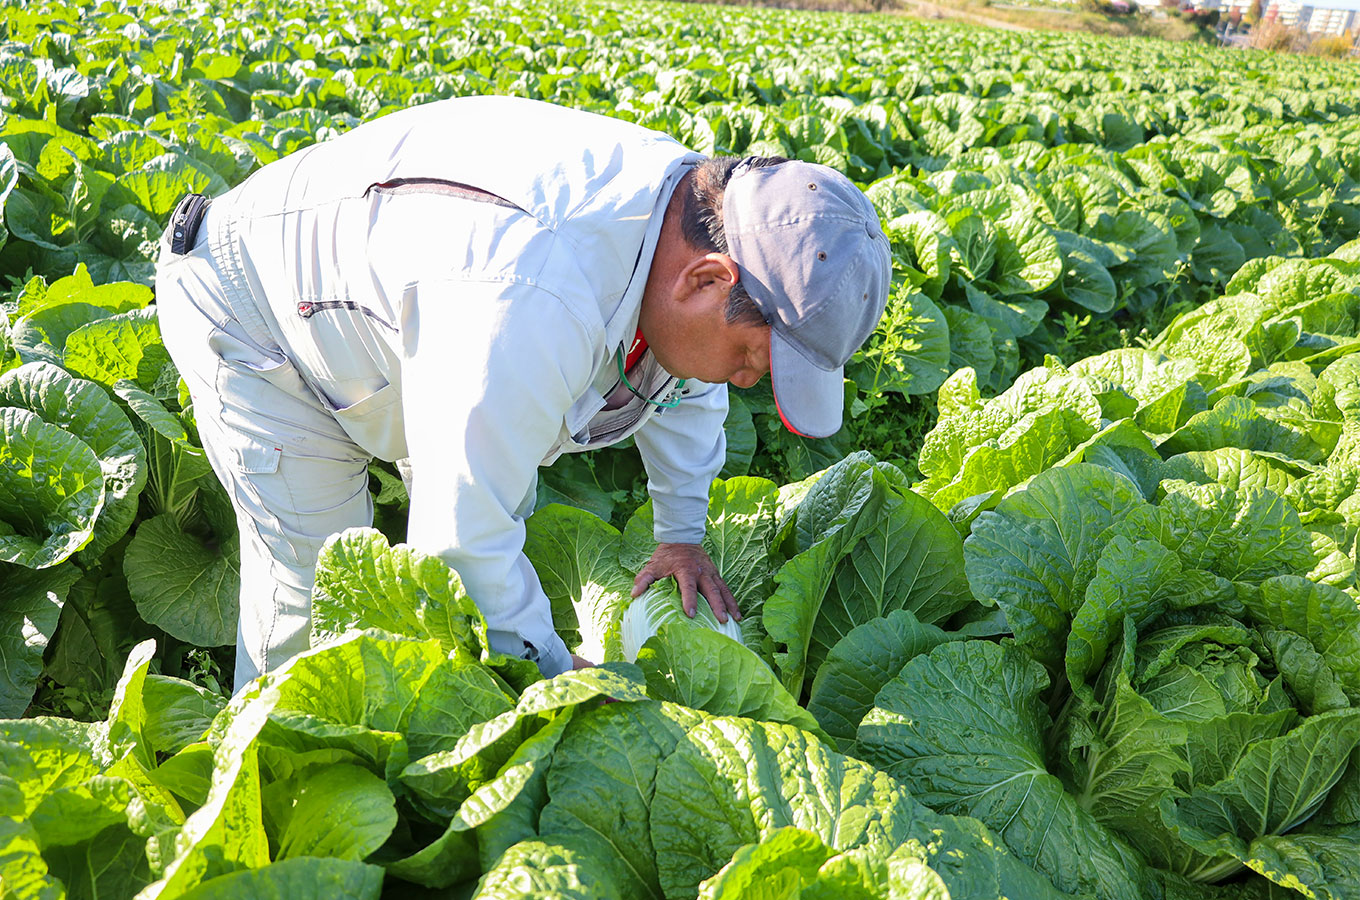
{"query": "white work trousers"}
{"type": "Point", "coordinates": [292, 490]}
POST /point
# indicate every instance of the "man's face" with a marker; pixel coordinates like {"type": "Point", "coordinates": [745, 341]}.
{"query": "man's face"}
{"type": "Point", "coordinates": [684, 319]}
{"type": "Point", "coordinates": [707, 347]}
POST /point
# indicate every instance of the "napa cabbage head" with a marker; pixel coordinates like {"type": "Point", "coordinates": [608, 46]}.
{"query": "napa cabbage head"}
{"type": "Point", "coordinates": [660, 605]}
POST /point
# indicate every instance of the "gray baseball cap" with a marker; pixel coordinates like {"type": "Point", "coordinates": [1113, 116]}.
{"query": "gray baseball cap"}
{"type": "Point", "coordinates": [813, 257]}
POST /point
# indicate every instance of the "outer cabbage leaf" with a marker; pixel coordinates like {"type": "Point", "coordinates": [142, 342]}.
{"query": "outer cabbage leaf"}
{"type": "Point", "coordinates": [1134, 581]}
{"type": "Point", "coordinates": [1235, 468]}
{"type": "Point", "coordinates": [576, 555]}
{"type": "Point", "coordinates": [602, 781]}
{"type": "Point", "coordinates": [1238, 422]}
{"type": "Point", "coordinates": [703, 669]}
{"type": "Point", "coordinates": [362, 581]}
{"type": "Point", "coordinates": [188, 589]}
{"type": "Point", "coordinates": [30, 607]}
{"type": "Point", "coordinates": [337, 811]}
{"type": "Point", "coordinates": [732, 782]}
{"type": "Point", "coordinates": [564, 866]}
{"type": "Point", "coordinates": [226, 834]}
{"type": "Point", "coordinates": [1276, 785]}
{"type": "Point", "coordinates": [81, 408]}
{"type": "Point", "coordinates": [1026, 557]}
{"type": "Point", "coordinates": [965, 728]}
{"type": "Point", "coordinates": [860, 664]}
{"type": "Point", "coordinates": [51, 491]}
{"type": "Point", "coordinates": [1328, 618]}
{"type": "Point", "coordinates": [792, 863]}
{"type": "Point", "coordinates": [127, 345]}
{"type": "Point", "coordinates": [1245, 536]}
{"type": "Point", "coordinates": [304, 878]}
{"type": "Point", "coordinates": [444, 779]}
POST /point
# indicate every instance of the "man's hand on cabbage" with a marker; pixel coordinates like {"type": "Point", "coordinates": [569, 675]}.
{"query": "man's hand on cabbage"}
{"type": "Point", "coordinates": [695, 573]}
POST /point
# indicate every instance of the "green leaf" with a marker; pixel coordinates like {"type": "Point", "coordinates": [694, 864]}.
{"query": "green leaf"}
{"type": "Point", "coordinates": [1275, 786]}
{"type": "Point", "coordinates": [338, 811]}
{"type": "Point", "coordinates": [183, 586]}
{"type": "Point", "coordinates": [564, 866]}
{"type": "Point", "coordinates": [1238, 422]}
{"type": "Point", "coordinates": [1024, 556]}
{"type": "Point", "coordinates": [43, 755]}
{"type": "Point", "coordinates": [445, 778]}
{"type": "Point", "coordinates": [9, 177]}
{"type": "Point", "coordinates": [151, 411]}
{"type": "Point", "coordinates": [493, 817]}
{"type": "Point", "coordinates": [1135, 581]}
{"type": "Point", "coordinates": [602, 780]}
{"type": "Point", "coordinates": [1306, 672]}
{"type": "Point", "coordinates": [30, 605]}
{"type": "Point", "coordinates": [1326, 866]}
{"type": "Point", "coordinates": [178, 712]}
{"type": "Point", "coordinates": [373, 696]}
{"type": "Point", "coordinates": [705, 670]}
{"type": "Point", "coordinates": [41, 335]}
{"type": "Point", "coordinates": [23, 870]}
{"type": "Point", "coordinates": [1328, 618]}
{"type": "Point", "coordinates": [741, 437]}
{"type": "Point", "coordinates": [576, 555]}
{"type": "Point", "coordinates": [791, 863]}
{"type": "Point", "coordinates": [158, 184]}
{"type": "Point", "coordinates": [362, 581]}
{"type": "Point", "coordinates": [910, 558]}
{"type": "Point", "coordinates": [731, 781]}
{"type": "Point", "coordinates": [51, 490]}
{"type": "Point", "coordinates": [296, 879]}
{"type": "Point", "coordinates": [85, 411]}
{"type": "Point", "coordinates": [965, 728]}
{"type": "Point", "coordinates": [1232, 467]}
{"type": "Point", "coordinates": [1246, 535]}
{"type": "Point", "coordinates": [1027, 255]}
{"type": "Point", "coordinates": [1085, 280]}
{"type": "Point", "coordinates": [741, 526]}
{"type": "Point", "coordinates": [226, 834]}
{"type": "Point", "coordinates": [970, 345]}
{"type": "Point", "coordinates": [79, 288]}
{"type": "Point", "coordinates": [124, 346]}
{"type": "Point", "coordinates": [110, 863]}
{"type": "Point", "coordinates": [860, 663]}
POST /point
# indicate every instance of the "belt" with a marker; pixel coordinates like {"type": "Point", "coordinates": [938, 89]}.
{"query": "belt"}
{"type": "Point", "coordinates": [185, 220]}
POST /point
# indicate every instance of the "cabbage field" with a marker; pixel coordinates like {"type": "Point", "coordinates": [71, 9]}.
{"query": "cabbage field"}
{"type": "Point", "coordinates": [1068, 609]}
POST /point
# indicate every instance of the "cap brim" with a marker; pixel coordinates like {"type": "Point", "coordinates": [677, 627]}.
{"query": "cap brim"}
{"type": "Point", "coordinates": [809, 399]}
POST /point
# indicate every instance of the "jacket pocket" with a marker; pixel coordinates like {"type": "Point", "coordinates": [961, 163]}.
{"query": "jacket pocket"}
{"type": "Point", "coordinates": [376, 423]}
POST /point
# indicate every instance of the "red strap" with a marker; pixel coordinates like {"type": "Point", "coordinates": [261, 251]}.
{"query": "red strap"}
{"type": "Point", "coordinates": [635, 352]}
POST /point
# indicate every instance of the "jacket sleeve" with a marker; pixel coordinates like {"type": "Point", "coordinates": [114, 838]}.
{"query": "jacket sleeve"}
{"type": "Point", "coordinates": [683, 450]}
{"type": "Point", "coordinates": [488, 370]}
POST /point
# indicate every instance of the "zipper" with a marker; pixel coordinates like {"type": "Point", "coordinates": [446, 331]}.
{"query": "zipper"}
{"type": "Point", "coordinates": [667, 386]}
{"type": "Point", "coordinates": [308, 308]}
{"type": "Point", "coordinates": [458, 189]}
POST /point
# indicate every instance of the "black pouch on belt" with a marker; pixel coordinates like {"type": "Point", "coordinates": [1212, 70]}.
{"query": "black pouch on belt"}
{"type": "Point", "coordinates": [188, 215]}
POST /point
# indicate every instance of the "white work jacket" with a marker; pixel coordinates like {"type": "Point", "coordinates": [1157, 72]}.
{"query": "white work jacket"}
{"type": "Point", "coordinates": [477, 336]}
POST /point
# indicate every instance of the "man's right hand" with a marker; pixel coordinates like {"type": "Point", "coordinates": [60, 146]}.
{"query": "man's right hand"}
{"type": "Point", "coordinates": [579, 662]}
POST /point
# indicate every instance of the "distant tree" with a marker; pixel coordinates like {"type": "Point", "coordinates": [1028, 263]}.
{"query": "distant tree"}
{"type": "Point", "coordinates": [1253, 13]}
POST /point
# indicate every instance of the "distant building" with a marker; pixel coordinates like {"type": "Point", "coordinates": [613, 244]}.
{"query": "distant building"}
{"type": "Point", "coordinates": [1320, 19]}
{"type": "Point", "coordinates": [1317, 17]}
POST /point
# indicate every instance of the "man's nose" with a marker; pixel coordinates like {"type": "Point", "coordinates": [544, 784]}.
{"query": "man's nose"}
{"type": "Point", "coordinates": [745, 378]}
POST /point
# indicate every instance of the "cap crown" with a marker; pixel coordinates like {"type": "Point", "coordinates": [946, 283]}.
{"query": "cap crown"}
{"type": "Point", "coordinates": [811, 254]}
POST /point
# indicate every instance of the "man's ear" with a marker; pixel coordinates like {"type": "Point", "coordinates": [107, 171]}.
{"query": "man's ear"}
{"type": "Point", "coordinates": [712, 273]}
